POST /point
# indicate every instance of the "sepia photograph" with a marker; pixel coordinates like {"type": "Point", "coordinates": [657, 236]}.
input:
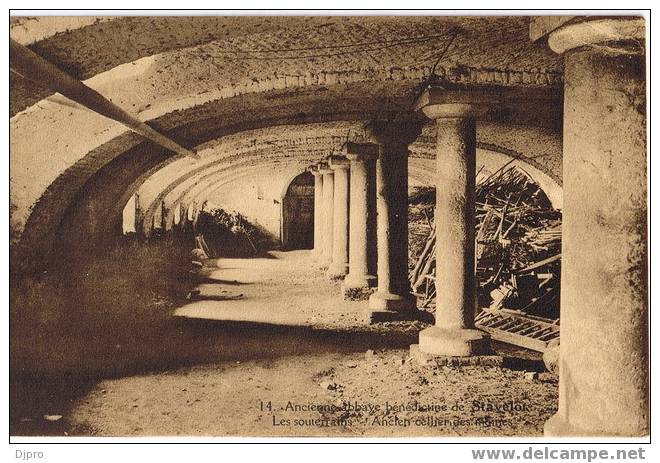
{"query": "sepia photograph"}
{"type": "Point", "coordinates": [344, 225]}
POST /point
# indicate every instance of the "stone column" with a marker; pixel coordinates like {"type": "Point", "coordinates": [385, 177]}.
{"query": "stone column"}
{"type": "Point", "coordinates": [392, 300]}
{"type": "Point", "coordinates": [185, 222]}
{"type": "Point", "coordinates": [194, 214]}
{"type": "Point", "coordinates": [362, 231]}
{"type": "Point", "coordinates": [328, 198]}
{"type": "Point", "coordinates": [172, 213]}
{"type": "Point", "coordinates": [455, 112]}
{"type": "Point", "coordinates": [164, 211]}
{"type": "Point", "coordinates": [183, 216]}
{"type": "Point", "coordinates": [139, 217]}
{"type": "Point", "coordinates": [603, 361]}
{"type": "Point", "coordinates": [339, 266]}
{"type": "Point", "coordinates": [318, 212]}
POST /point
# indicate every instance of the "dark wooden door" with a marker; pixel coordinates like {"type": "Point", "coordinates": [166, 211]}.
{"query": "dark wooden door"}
{"type": "Point", "coordinates": [298, 213]}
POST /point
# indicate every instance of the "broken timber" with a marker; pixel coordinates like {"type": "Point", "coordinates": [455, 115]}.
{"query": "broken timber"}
{"type": "Point", "coordinates": [518, 245]}
{"type": "Point", "coordinates": [515, 328]}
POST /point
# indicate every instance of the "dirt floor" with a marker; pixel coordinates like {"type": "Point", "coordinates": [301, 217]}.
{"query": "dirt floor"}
{"type": "Point", "coordinates": [285, 288]}
{"type": "Point", "coordinates": [288, 358]}
{"type": "Point", "coordinates": [316, 395]}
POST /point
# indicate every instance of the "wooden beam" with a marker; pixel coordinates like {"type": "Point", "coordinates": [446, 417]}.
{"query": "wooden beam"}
{"type": "Point", "coordinates": [33, 67]}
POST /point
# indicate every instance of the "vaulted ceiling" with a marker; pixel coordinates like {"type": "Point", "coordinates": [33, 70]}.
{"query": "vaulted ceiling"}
{"type": "Point", "coordinates": [252, 89]}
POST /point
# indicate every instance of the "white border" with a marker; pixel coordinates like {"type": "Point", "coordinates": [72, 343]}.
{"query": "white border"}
{"type": "Point", "coordinates": [316, 453]}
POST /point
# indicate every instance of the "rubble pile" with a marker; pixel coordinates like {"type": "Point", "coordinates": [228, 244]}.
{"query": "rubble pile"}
{"type": "Point", "coordinates": [230, 234]}
{"type": "Point", "coordinates": [518, 247]}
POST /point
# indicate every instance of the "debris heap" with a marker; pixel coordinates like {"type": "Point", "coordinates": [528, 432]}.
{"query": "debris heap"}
{"type": "Point", "coordinates": [518, 247]}
{"type": "Point", "coordinates": [230, 234]}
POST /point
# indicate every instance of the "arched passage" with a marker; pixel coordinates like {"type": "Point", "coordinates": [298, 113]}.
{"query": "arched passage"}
{"type": "Point", "coordinates": [191, 91]}
{"type": "Point", "coordinates": [298, 213]}
{"type": "Point", "coordinates": [201, 81]}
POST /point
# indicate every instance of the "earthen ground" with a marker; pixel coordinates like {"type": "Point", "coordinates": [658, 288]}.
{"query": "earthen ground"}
{"type": "Point", "coordinates": [226, 399]}
{"type": "Point", "coordinates": [293, 339]}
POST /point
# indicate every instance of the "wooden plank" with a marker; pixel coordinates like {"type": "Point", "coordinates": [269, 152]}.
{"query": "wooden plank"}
{"type": "Point", "coordinates": [516, 340]}
{"type": "Point", "coordinates": [540, 264]}
{"type": "Point", "coordinates": [37, 69]}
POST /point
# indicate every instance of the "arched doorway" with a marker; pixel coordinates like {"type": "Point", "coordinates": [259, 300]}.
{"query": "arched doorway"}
{"type": "Point", "coordinates": [298, 213]}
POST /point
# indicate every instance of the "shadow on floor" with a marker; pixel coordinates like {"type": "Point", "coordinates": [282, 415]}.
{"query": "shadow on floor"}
{"type": "Point", "coordinates": [183, 343]}
{"type": "Point", "coordinates": [519, 358]}
{"type": "Point", "coordinates": [196, 342]}
{"type": "Point", "coordinates": [116, 324]}
{"type": "Point", "coordinates": [211, 280]}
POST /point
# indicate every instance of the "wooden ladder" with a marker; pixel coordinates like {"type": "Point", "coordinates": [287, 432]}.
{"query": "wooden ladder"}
{"type": "Point", "coordinates": [519, 329]}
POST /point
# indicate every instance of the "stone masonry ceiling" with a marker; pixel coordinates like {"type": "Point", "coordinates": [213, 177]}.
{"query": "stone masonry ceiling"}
{"type": "Point", "coordinates": [234, 49]}
{"type": "Point", "coordinates": [249, 91]}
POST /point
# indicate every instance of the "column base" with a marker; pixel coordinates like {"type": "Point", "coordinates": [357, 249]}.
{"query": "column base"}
{"type": "Point", "coordinates": [358, 287]}
{"type": "Point", "coordinates": [458, 342]}
{"type": "Point", "coordinates": [357, 294]}
{"type": "Point", "coordinates": [390, 302]}
{"type": "Point", "coordinates": [337, 272]}
{"type": "Point", "coordinates": [430, 360]}
{"type": "Point", "coordinates": [389, 307]}
{"type": "Point", "coordinates": [359, 281]}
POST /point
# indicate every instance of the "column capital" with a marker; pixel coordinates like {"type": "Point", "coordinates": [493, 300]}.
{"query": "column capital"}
{"type": "Point", "coordinates": [403, 131]}
{"type": "Point", "coordinates": [360, 151]}
{"type": "Point", "coordinates": [337, 162]}
{"type": "Point", "coordinates": [581, 31]}
{"type": "Point", "coordinates": [314, 170]}
{"type": "Point", "coordinates": [324, 168]}
{"type": "Point", "coordinates": [437, 102]}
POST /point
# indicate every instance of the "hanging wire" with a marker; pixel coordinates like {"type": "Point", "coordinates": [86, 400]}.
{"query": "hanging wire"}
{"type": "Point", "coordinates": [432, 75]}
